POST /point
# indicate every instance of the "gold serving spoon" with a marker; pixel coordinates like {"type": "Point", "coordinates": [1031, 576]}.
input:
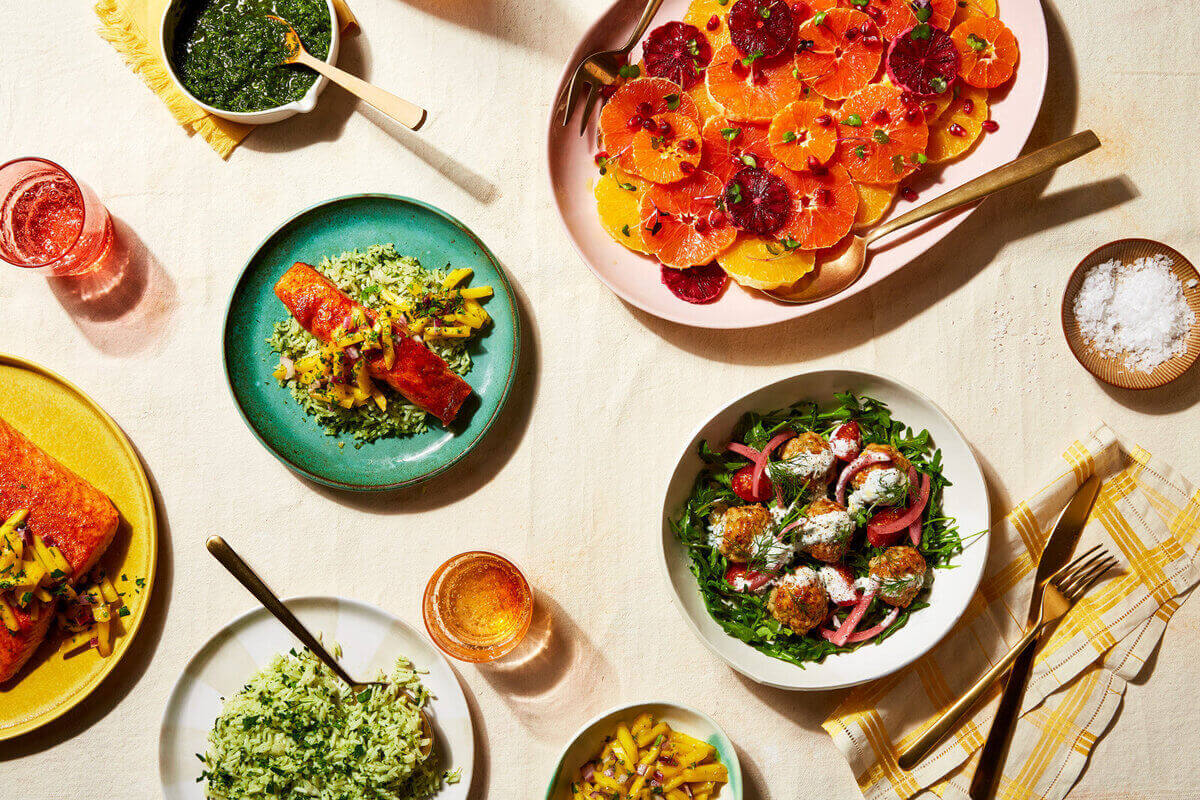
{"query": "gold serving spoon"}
{"type": "Point", "coordinates": [254, 584]}
{"type": "Point", "coordinates": [407, 114]}
{"type": "Point", "coordinates": [840, 271]}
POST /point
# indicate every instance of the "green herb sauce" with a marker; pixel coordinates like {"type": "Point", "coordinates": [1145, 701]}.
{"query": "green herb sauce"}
{"type": "Point", "coordinates": [227, 53]}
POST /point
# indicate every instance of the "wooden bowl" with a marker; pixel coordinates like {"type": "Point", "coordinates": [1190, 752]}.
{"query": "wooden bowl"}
{"type": "Point", "coordinates": [1112, 369]}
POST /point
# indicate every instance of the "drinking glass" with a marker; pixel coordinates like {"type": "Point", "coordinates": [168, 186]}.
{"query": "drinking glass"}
{"type": "Point", "coordinates": [477, 606]}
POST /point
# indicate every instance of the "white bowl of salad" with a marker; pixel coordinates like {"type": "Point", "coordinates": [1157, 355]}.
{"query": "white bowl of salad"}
{"type": "Point", "coordinates": [825, 530]}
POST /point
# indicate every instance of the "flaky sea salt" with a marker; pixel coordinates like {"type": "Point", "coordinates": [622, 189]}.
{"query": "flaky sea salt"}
{"type": "Point", "coordinates": [1136, 311]}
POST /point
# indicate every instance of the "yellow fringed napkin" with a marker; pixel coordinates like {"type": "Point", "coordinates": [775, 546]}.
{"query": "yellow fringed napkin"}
{"type": "Point", "coordinates": [131, 26]}
{"type": "Point", "coordinates": [1146, 514]}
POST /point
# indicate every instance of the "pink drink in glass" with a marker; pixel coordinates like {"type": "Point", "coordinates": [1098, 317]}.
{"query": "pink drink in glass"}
{"type": "Point", "coordinates": [50, 222]}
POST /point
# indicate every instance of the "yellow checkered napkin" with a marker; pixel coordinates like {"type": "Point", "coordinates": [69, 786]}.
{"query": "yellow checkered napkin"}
{"type": "Point", "coordinates": [1148, 514]}
{"type": "Point", "coordinates": [132, 27]}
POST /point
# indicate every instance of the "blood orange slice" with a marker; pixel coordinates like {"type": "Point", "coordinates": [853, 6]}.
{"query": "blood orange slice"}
{"type": "Point", "coordinates": [668, 152]}
{"type": "Point", "coordinates": [729, 146]}
{"type": "Point", "coordinates": [801, 134]}
{"type": "Point", "coordinates": [699, 285]}
{"type": "Point", "coordinates": [988, 51]}
{"type": "Point", "coordinates": [683, 224]}
{"type": "Point", "coordinates": [959, 126]}
{"type": "Point", "coordinates": [922, 60]}
{"type": "Point", "coordinates": [804, 10]}
{"type": "Point", "coordinates": [874, 200]}
{"type": "Point", "coordinates": [973, 8]}
{"type": "Point", "coordinates": [751, 91]}
{"type": "Point", "coordinates": [761, 28]}
{"type": "Point", "coordinates": [678, 52]}
{"type": "Point", "coordinates": [709, 16]}
{"type": "Point", "coordinates": [628, 110]}
{"type": "Point", "coordinates": [880, 139]}
{"type": "Point", "coordinates": [618, 201]}
{"type": "Point", "coordinates": [763, 263]}
{"type": "Point", "coordinates": [758, 200]}
{"type": "Point", "coordinates": [838, 52]}
{"type": "Point", "coordinates": [823, 206]}
{"type": "Point", "coordinates": [896, 16]}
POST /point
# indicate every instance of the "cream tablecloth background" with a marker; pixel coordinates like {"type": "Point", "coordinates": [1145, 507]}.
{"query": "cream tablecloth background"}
{"type": "Point", "coordinates": [569, 481]}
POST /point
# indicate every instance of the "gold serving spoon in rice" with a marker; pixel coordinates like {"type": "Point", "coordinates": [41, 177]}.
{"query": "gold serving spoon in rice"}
{"type": "Point", "coordinates": [254, 584]}
{"type": "Point", "coordinates": [407, 114]}
{"type": "Point", "coordinates": [844, 265]}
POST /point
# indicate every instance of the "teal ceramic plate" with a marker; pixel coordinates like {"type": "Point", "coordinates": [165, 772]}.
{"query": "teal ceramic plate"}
{"type": "Point", "coordinates": [589, 740]}
{"type": "Point", "coordinates": [419, 230]}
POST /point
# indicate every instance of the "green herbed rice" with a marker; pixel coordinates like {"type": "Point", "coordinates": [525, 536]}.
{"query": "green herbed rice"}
{"type": "Point", "coordinates": [297, 731]}
{"type": "Point", "coordinates": [363, 275]}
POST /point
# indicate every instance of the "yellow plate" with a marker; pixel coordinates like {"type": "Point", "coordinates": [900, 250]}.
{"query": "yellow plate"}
{"type": "Point", "coordinates": [68, 425]}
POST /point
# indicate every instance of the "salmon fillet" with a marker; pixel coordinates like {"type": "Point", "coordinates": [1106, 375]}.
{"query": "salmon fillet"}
{"type": "Point", "coordinates": [417, 373]}
{"type": "Point", "coordinates": [65, 510]}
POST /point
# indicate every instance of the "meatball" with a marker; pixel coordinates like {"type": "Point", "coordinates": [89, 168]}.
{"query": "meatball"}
{"type": "Point", "coordinates": [882, 484]}
{"type": "Point", "coordinates": [738, 531]}
{"type": "Point", "coordinates": [810, 455]}
{"type": "Point", "coordinates": [900, 573]}
{"type": "Point", "coordinates": [897, 461]}
{"type": "Point", "coordinates": [799, 600]}
{"type": "Point", "coordinates": [825, 531]}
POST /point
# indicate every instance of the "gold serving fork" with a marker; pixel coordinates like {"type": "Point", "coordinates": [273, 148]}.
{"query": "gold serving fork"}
{"type": "Point", "coordinates": [600, 69]}
{"type": "Point", "coordinates": [1059, 593]}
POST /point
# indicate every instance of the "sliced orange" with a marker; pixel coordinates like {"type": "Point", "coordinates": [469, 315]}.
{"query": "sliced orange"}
{"type": "Point", "coordinates": [709, 17]}
{"type": "Point", "coordinates": [704, 103]}
{"type": "Point", "coordinates": [874, 200]}
{"type": "Point", "coordinates": [764, 263]}
{"type": "Point", "coordinates": [729, 146]}
{"type": "Point", "coordinates": [804, 10]}
{"type": "Point", "coordinates": [988, 51]}
{"type": "Point", "coordinates": [879, 138]}
{"type": "Point", "coordinates": [638, 100]}
{"type": "Point", "coordinates": [751, 92]}
{"type": "Point", "coordinates": [973, 8]}
{"type": "Point", "coordinates": [823, 206]}
{"type": "Point", "coordinates": [618, 200]}
{"type": "Point", "coordinates": [669, 153]}
{"type": "Point", "coordinates": [683, 223]}
{"type": "Point", "coordinates": [800, 131]}
{"type": "Point", "coordinates": [959, 126]}
{"type": "Point", "coordinates": [896, 16]}
{"type": "Point", "coordinates": [838, 52]}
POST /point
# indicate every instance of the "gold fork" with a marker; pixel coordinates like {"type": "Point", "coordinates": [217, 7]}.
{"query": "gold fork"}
{"type": "Point", "coordinates": [1059, 593]}
{"type": "Point", "coordinates": [601, 69]}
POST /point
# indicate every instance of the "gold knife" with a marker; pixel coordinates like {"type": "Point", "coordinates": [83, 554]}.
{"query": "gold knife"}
{"type": "Point", "coordinates": [1055, 555]}
{"type": "Point", "coordinates": [1063, 538]}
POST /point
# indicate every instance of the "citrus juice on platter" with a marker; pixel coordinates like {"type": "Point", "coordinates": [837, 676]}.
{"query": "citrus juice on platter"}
{"type": "Point", "coordinates": [50, 222]}
{"type": "Point", "coordinates": [478, 606]}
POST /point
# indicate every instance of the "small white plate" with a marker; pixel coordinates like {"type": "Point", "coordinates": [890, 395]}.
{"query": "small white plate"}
{"type": "Point", "coordinates": [589, 740]}
{"type": "Point", "coordinates": [371, 640]}
{"type": "Point", "coordinates": [966, 500]}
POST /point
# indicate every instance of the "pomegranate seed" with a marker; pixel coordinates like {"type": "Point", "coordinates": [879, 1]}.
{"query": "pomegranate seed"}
{"type": "Point", "coordinates": [644, 109]}
{"type": "Point", "coordinates": [956, 130]}
{"type": "Point", "coordinates": [908, 99]}
{"type": "Point", "coordinates": [687, 167]}
{"type": "Point", "coordinates": [991, 126]}
{"type": "Point", "coordinates": [867, 28]}
{"type": "Point", "coordinates": [824, 120]}
{"type": "Point", "coordinates": [881, 117]}
{"type": "Point", "coordinates": [875, 13]}
{"type": "Point", "coordinates": [815, 166]}
{"type": "Point", "coordinates": [665, 128]}
{"type": "Point", "coordinates": [717, 219]}
{"type": "Point", "coordinates": [714, 22]}
{"type": "Point", "coordinates": [908, 194]}
{"type": "Point", "coordinates": [740, 69]}
{"type": "Point", "coordinates": [851, 34]}
{"type": "Point", "coordinates": [688, 145]}
{"type": "Point", "coordinates": [601, 156]}
{"type": "Point", "coordinates": [968, 106]}
{"type": "Point", "coordinates": [649, 125]}
{"type": "Point", "coordinates": [930, 109]}
{"type": "Point", "coordinates": [700, 225]}
{"type": "Point", "coordinates": [634, 123]}
{"type": "Point", "coordinates": [913, 115]}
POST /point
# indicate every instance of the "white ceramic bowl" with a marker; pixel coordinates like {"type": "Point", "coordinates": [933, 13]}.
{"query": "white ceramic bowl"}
{"type": "Point", "coordinates": [589, 740]}
{"type": "Point", "coordinates": [966, 500]}
{"type": "Point", "coordinates": [170, 21]}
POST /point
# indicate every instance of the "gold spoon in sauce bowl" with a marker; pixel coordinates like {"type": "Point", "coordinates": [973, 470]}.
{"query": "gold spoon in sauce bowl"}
{"type": "Point", "coordinates": [407, 114]}
{"type": "Point", "coordinates": [246, 576]}
{"type": "Point", "coordinates": [848, 260]}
